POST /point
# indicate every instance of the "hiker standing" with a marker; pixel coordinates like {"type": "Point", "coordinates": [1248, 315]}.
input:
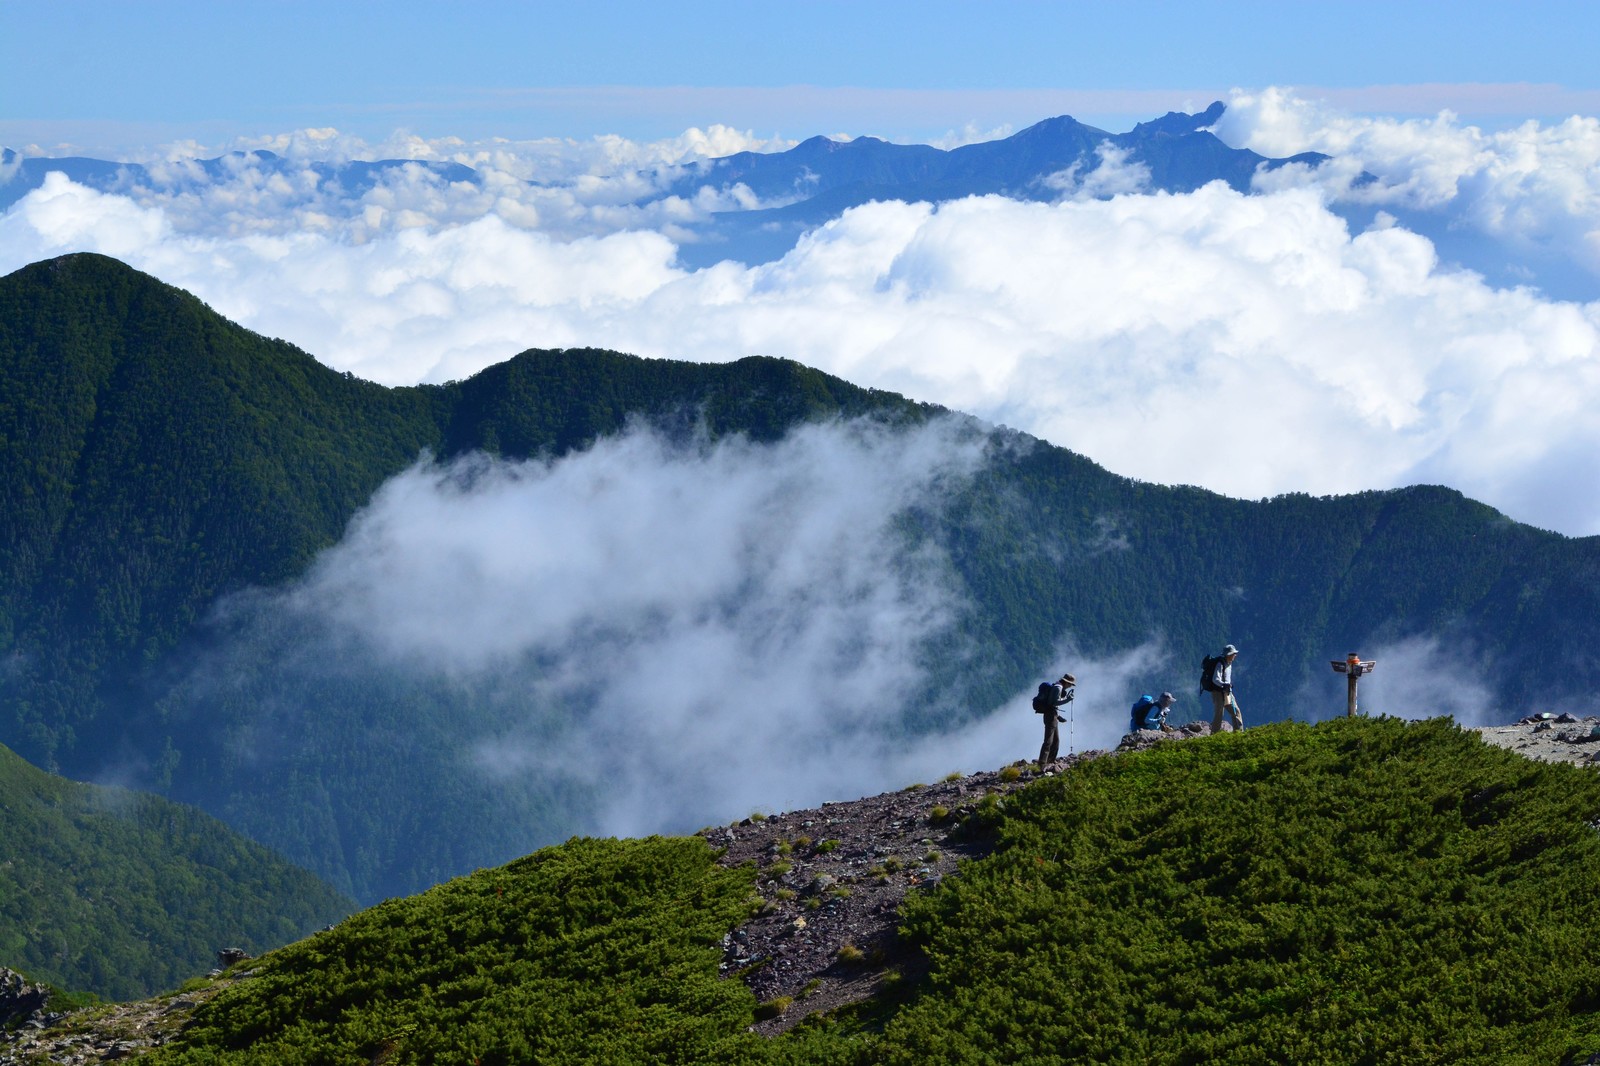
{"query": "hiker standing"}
{"type": "Point", "coordinates": [1217, 679]}
{"type": "Point", "coordinates": [1049, 701]}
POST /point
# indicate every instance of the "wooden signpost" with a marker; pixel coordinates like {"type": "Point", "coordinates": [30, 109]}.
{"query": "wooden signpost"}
{"type": "Point", "coordinates": [1352, 668]}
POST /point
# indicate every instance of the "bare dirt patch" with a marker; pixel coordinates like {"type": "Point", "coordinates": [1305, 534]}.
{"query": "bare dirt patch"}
{"type": "Point", "coordinates": [832, 880]}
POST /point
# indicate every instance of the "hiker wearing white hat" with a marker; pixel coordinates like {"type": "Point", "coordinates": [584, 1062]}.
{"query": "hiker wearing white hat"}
{"type": "Point", "coordinates": [1216, 678]}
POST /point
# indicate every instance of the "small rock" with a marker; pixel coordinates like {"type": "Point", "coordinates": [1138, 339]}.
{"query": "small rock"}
{"type": "Point", "coordinates": [229, 956]}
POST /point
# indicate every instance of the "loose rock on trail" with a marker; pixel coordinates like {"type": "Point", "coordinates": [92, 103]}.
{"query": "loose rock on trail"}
{"type": "Point", "coordinates": [832, 878]}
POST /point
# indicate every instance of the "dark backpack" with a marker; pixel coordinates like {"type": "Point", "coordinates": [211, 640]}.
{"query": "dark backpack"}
{"type": "Point", "coordinates": [1136, 716]}
{"type": "Point", "coordinates": [1208, 673]}
{"type": "Point", "coordinates": [1045, 701]}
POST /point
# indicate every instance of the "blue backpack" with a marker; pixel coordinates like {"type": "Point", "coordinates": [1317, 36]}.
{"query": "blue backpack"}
{"type": "Point", "coordinates": [1139, 715]}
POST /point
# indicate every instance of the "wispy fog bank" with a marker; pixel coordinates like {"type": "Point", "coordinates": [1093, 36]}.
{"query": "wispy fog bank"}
{"type": "Point", "coordinates": [658, 634]}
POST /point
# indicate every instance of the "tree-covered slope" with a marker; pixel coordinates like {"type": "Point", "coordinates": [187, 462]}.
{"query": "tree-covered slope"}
{"type": "Point", "coordinates": [124, 894]}
{"type": "Point", "coordinates": [154, 456]}
{"type": "Point", "coordinates": [1356, 891]}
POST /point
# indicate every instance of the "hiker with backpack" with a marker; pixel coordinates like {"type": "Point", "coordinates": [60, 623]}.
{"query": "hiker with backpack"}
{"type": "Point", "coordinates": [1048, 702]}
{"type": "Point", "coordinates": [1151, 713]}
{"type": "Point", "coordinates": [1216, 678]}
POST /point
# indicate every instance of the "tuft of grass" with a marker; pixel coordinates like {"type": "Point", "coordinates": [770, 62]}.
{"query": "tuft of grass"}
{"type": "Point", "coordinates": [919, 786]}
{"type": "Point", "coordinates": [802, 842]}
{"type": "Point", "coordinates": [827, 846]}
{"type": "Point", "coordinates": [1011, 773]}
{"type": "Point", "coordinates": [812, 987]}
{"type": "Point", "coordinates": [784, 848]}
{"type": "Point", "coordinates": [774, 1008]}
{"type": "Point", "coordinates": [953, 775]}
{"type": "Point", "coordinates": [939, 814]}
{"type": "Point", "coordinates": [932, 857]}
{"type": "Point", "coordinates": [850, 955]}
{"type": "Point", "coordinates": [777, 869]}
{"type": "Point", "coordinates": [785, 894]}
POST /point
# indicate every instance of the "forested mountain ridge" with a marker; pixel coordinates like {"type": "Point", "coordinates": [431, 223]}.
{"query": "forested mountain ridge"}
{"type": "Point", "coordinates": [154, 456]}
{"type": "Point", "coordinates": [125, 894]}
{"type": "Point", "coordinates": [158, 458]}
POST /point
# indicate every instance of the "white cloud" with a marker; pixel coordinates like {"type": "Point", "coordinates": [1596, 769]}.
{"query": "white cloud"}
{"type": "Point", "coordinates": [710, 627]}
{"type": "Point", "coordinates": [564, 188]}
{"type": "Point", "coordinates": [1251, 344]}
{"type": "Point", "coordinates": [1532, 187]}
{"type": "Point", "coordinates": [1115, 174]}
{"type": "Point", "coordinates": [691, 631]}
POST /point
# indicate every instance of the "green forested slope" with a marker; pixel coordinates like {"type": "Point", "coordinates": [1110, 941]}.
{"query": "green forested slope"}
{"type": "Point", "coordinates": [154, 458]}
{"type": "Point", "coordinates": [1359, 891]}
{"type": "Point", "coordinates": [124, 894]}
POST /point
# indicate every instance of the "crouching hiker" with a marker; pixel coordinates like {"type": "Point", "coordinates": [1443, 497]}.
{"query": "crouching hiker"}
{"type": "Point", "coordinates": [1148, 713]}
{"type": "Point", "coordinates": [1049, 702]}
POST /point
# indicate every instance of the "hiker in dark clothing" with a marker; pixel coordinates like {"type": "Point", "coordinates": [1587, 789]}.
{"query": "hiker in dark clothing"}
{"type": "Point", "coordinates": [1049, 702]}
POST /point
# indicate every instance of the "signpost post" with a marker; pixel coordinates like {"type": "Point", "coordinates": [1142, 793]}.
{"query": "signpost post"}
{"type": "Point", "coordinates": [1352, 668]}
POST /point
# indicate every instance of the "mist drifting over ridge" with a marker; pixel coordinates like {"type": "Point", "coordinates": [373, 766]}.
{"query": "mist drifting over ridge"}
{"type": "Point", "coordinates": [644, 636]}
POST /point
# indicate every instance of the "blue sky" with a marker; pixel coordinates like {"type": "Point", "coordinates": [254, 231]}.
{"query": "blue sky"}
{"type": "Point", "coordinates": [102, 74]}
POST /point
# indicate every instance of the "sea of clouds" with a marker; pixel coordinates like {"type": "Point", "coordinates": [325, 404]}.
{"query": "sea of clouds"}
{"type": "Point", "coordinates": [1253, 344]}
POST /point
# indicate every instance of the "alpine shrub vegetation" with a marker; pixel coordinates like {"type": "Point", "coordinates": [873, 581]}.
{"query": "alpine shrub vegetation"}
{"type": "Point", "coordinates": [1361, 891]}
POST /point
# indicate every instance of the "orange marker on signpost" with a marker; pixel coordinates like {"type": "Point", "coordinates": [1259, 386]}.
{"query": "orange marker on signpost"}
{"type": "Point", "coordinates": [1352, 668]}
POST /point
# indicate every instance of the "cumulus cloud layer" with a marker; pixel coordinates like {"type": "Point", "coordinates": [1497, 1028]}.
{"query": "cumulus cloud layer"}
{"type": "Point", "coordinates": [1534, 190]}
{"type": "Point", "coordinates": [1253, 344]}
{"type": "Point", "coordinates": [288, 184]}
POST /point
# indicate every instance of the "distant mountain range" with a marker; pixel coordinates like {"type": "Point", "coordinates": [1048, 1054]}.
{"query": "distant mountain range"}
{"type": "Point", "coordinates": [821, 178]}
{"type": "Point", "coordinates": [20, 175]}
{"type": "Point", "coordinates": [156, 458]}
{"type": "Point", "coordinates": [791, 193]}
{"type": "Point", "coordinates": [798, 189]}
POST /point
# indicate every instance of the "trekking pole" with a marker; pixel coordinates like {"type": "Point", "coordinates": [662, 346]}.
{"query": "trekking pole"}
{"type": "Point", "coordinates": [1072, 717]}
